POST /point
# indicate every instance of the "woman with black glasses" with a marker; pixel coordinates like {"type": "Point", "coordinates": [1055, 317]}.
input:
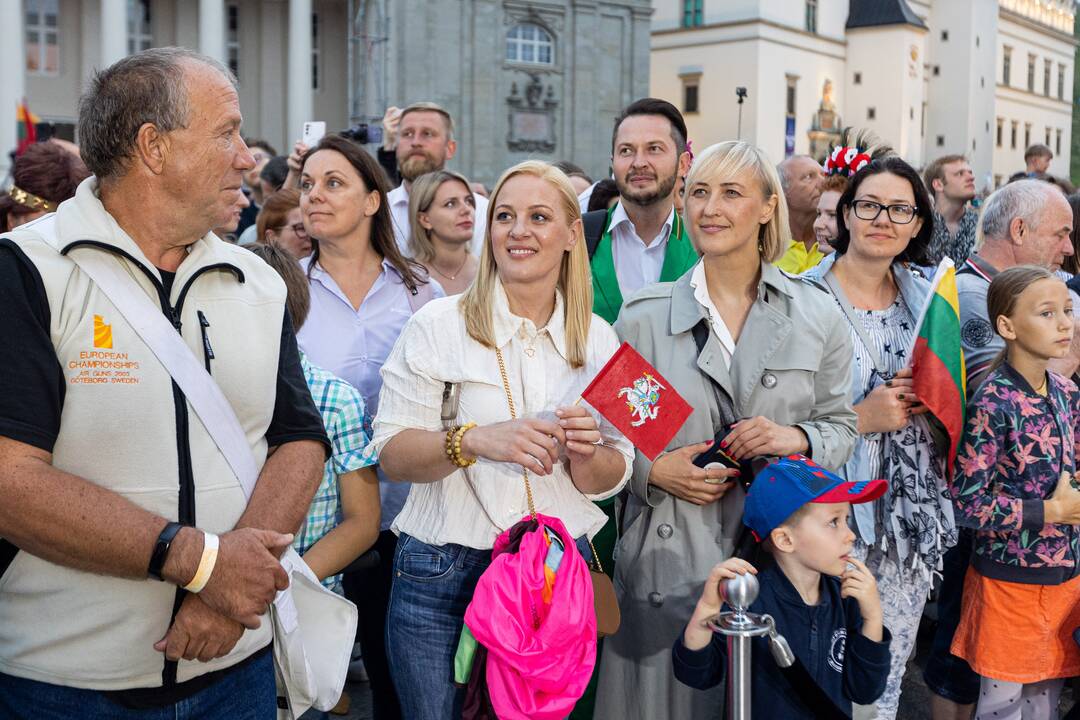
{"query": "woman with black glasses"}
{"type": "Point", "coordinates": [885, 223]}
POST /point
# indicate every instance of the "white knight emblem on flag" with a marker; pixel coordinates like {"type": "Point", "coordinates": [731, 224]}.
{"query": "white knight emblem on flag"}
{"type": "Point", "coordinates": [643, 399]}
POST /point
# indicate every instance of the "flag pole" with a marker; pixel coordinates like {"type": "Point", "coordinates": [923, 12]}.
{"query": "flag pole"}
{"type": "Point", "coordinates": [939, 275]}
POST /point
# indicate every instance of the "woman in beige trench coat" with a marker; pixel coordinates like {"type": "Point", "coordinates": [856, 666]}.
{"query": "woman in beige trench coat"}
{"type": "Point", "coordinates": [776, 354]}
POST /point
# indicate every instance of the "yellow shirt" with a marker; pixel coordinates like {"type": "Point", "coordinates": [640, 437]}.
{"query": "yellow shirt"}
{"type": "Point", "coordinates": [798, 260]}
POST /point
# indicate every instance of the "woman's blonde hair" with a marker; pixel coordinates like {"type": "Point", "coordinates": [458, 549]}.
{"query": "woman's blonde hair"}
{"type": "Point", "coordinates": [575, 282]}
{"type": "Point", "coordinates": [421, 196]}
{"type": "Point", "coordinates": [728, 159]}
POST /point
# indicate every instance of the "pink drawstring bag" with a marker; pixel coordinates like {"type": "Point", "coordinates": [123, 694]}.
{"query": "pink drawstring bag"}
{"type": "Point", "coordinates": [540, 654]}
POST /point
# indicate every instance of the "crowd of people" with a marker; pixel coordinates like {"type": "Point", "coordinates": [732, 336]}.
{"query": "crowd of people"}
{"type": "Point", "coordinates": [406, 352]}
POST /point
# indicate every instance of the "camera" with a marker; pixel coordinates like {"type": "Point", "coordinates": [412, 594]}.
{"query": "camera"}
{"type": "Point", "coordinates": [364, 134]}
{"type": "Point", "coordinates": [740, 92]}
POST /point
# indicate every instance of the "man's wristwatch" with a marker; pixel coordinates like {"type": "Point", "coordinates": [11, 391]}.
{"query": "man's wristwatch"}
{"type": "Point", "coordinates": [161, 550]}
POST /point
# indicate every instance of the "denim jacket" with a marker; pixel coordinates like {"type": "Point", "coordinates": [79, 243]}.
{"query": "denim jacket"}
{"type": "Point", "coordinates": [915, 289]}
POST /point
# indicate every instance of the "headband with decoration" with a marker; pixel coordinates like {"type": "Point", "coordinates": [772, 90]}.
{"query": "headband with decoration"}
{"type": "Point", "coordinates": [31, 201]}
{"type": "Point", "coordinates": [846, 161]}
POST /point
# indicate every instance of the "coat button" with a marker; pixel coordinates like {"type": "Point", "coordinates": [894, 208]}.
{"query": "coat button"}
{"type": "Point", "coordinates": [656, 599]}
{"type": "Point", "coordinates": [768, 381]}
{"type": "Point", "coordinates": [664, 531]}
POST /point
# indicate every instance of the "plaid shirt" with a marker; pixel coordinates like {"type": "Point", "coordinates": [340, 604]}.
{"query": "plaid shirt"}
{"type": "Point", "coordinates": [958, 246]}
{"type": "Point", "coordinates": [349, 429]}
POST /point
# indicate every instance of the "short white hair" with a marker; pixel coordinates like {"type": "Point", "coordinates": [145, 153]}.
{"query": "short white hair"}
{"type": "Point", "coordinates": [1024, 199]}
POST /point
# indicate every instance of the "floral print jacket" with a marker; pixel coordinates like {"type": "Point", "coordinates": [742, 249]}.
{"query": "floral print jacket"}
{"type": "Point", "coordinates": [1015, 445]}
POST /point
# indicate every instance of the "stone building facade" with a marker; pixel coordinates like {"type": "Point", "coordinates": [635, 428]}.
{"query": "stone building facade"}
{"type": "Point", "coordinates": [985, 78]}
{"type": "Point", "coordinates": [523, 79]}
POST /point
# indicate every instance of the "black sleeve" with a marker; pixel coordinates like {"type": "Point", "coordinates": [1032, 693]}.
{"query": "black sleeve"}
{"type": "Point", "coordinates": [866, 663]}
{"type": "Point", "coordinates": [295, 415]}
{"type": "Point", "coordinates": [32, 383]}
{"type": "Point", "coordinates": [388, 160]}
{"type": "Point", "coordinates": [700, 669]}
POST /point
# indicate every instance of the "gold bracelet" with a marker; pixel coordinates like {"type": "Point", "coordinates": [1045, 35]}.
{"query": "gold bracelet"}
{"type": "Point", "coordinates": [454, 448]}
{"type": "Point", "coordinates": [450, 441]}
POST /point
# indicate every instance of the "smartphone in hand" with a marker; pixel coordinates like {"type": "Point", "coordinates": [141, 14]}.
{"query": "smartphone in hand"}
{"type": "Point", "coordinates": [313, 132]}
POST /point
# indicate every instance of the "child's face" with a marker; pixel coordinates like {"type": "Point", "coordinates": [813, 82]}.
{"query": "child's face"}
{"type": "Point", "coordinates": [1041, 323]}
{"type": "Point", "coordinates": [822, 539]}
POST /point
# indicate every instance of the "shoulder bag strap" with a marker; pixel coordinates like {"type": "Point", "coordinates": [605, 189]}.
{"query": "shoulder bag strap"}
{"type": "Point", "coordinates": [855, 323]}
{"type": "Point", "coordinates": [594, 229]}
{"type": "Point", "coordinates": [200, 388]}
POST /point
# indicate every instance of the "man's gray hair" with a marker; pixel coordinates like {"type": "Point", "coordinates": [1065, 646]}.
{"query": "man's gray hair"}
{"type": "Point", "coordinates": [1022, 199]}
{"type": "Point", "coordinates": [781, 170]}
{"type": "Point", "coordinates": [147, 87]}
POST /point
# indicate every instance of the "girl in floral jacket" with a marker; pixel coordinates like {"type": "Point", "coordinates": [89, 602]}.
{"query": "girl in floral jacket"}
{"type": "Point", "coordinates": [1013, 484]}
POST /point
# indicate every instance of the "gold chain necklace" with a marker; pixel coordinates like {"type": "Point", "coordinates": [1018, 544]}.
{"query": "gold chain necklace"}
{"type": "Point", "coordinates": [525, 472]}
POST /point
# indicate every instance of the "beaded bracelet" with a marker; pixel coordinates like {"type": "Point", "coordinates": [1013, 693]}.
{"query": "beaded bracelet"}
{"type": "Point", "coordinates": [453, 445]}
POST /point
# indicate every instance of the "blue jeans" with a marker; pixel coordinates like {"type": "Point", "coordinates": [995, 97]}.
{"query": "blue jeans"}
{"type": "Point", "coordinates": [246, 694]}
{"type": "Point", "coordinates": [947, 675]}
{"type": "Point", "coordinates": [432, 587]}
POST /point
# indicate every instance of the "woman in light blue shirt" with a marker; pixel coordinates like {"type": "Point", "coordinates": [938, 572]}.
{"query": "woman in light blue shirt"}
{"type": "Point", "coordinates": [362, 293]}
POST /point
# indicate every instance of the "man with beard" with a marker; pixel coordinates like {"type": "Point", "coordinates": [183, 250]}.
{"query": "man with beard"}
{"type": "Point", "coordinates": [952, 183]}
{"type": "Point", "coordinates": [641, 240]}
{"type": "Point", "coordinates": [425, 142]}
{"type": "Point", "coordinates": [801, 177]}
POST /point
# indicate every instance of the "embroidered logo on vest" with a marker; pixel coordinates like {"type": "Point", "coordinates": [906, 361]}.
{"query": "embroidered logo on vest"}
{"type": "Point", "coordinates": [102, 333]}
{"type": "Point", "coordinates": [101, 365]}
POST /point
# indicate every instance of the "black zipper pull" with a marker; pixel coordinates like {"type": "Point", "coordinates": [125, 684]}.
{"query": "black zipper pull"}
{"type": "Point", "coordinates": [204, 326]}
{"type": "Point", "coordinates": [174, 317]}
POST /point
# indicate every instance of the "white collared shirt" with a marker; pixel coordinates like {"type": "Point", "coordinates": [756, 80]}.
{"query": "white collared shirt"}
{"type": "Point", "coordinates": [399, 212]}
{"type": "Point", "coordinates": [719, 327]}
{"type": "Point", "coordinates": [435, 348]}
{"type": "Point", "coordinates": [636, 264]}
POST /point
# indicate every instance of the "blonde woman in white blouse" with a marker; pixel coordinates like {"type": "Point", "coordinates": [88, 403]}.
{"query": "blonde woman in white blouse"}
{"type": "Point", "coordinates": [525, 326]}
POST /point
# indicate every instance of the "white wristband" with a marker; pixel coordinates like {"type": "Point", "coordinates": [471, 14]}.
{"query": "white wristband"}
{"type": "Point", "coordinates": [206, 564]}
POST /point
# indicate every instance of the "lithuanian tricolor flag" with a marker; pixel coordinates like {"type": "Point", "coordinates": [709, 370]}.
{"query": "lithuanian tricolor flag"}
{"type": "Point", "coordinates": [937, 363]}
{"type": "Point", "coordinates": [27, 131]}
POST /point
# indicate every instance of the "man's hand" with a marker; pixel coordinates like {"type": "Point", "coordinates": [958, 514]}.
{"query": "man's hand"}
{"type": "Point", "coordinates": [199, 633]}
{"type": "Point", "coordinates": [247, 574]}
{"type": "Point", "coordinates": [390, 121]}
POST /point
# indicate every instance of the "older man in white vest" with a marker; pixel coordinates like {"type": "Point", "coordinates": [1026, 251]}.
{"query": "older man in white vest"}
{"type": "Point", "coordinates": [113, 494]}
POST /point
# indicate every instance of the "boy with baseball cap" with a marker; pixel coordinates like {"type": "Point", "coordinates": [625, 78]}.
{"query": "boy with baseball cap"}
{"type": "Point", "coordinates": [825, 602]}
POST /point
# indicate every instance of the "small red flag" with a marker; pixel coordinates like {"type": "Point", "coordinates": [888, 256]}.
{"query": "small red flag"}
{"type": "Point", "coordinates": [636, 399]}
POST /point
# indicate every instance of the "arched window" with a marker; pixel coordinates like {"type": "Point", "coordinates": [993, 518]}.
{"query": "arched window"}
{"type": "Point", "coordinates": [531, 44]}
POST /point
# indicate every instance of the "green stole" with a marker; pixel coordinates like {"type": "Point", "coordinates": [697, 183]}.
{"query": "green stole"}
{"type": "Point", "coordinates": [679, 256]}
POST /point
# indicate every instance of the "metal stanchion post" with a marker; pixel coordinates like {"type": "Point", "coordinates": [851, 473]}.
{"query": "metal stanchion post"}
{"type": "Point", "coordinates": [738, 626]}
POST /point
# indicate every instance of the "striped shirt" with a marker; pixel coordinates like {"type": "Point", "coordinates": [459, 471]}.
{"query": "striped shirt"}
{"type": "Point", "coordinates": [342, 411]}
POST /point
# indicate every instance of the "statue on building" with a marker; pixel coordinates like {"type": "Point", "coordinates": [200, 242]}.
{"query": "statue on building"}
{"type": "Point", "coordinates": [825, 127]}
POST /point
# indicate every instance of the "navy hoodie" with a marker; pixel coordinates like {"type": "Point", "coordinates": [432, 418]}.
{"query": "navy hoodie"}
{"type": "Point", "coordinates": [826, 638]}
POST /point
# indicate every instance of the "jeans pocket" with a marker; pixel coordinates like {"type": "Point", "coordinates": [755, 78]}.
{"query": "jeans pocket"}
{"type": "Point", "coordinates": [417, 560]}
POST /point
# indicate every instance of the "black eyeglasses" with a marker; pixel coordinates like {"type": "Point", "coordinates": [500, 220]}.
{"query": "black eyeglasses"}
{"type": "Point", "coordinates": [869, 210]}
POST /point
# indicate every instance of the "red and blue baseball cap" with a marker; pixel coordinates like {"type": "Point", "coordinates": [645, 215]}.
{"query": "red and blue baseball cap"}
{"type": "Point", "coordinates": [784, 486]}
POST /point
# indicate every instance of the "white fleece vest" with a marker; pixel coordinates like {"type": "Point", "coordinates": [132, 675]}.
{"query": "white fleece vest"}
{"type": "Point", "coordinates": [120, 429]}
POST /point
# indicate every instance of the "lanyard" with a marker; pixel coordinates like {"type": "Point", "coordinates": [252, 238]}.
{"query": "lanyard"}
{"type": "Point", "coordinates": [856, 325]}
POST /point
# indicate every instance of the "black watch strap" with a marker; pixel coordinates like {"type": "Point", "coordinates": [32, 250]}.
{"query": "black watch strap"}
{"type": "Point", "coordinates": [161, 550]}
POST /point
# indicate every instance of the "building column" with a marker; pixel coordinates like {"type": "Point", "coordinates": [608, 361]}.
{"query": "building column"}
{"type": "Point", "coordinates": [212, 29]}
{"type": "Point", "coordinates": [300, 103]}
{"type": "Point", "coordinates": [114, 32]}
{"type": "Point", "coordinates": [12, 89]}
